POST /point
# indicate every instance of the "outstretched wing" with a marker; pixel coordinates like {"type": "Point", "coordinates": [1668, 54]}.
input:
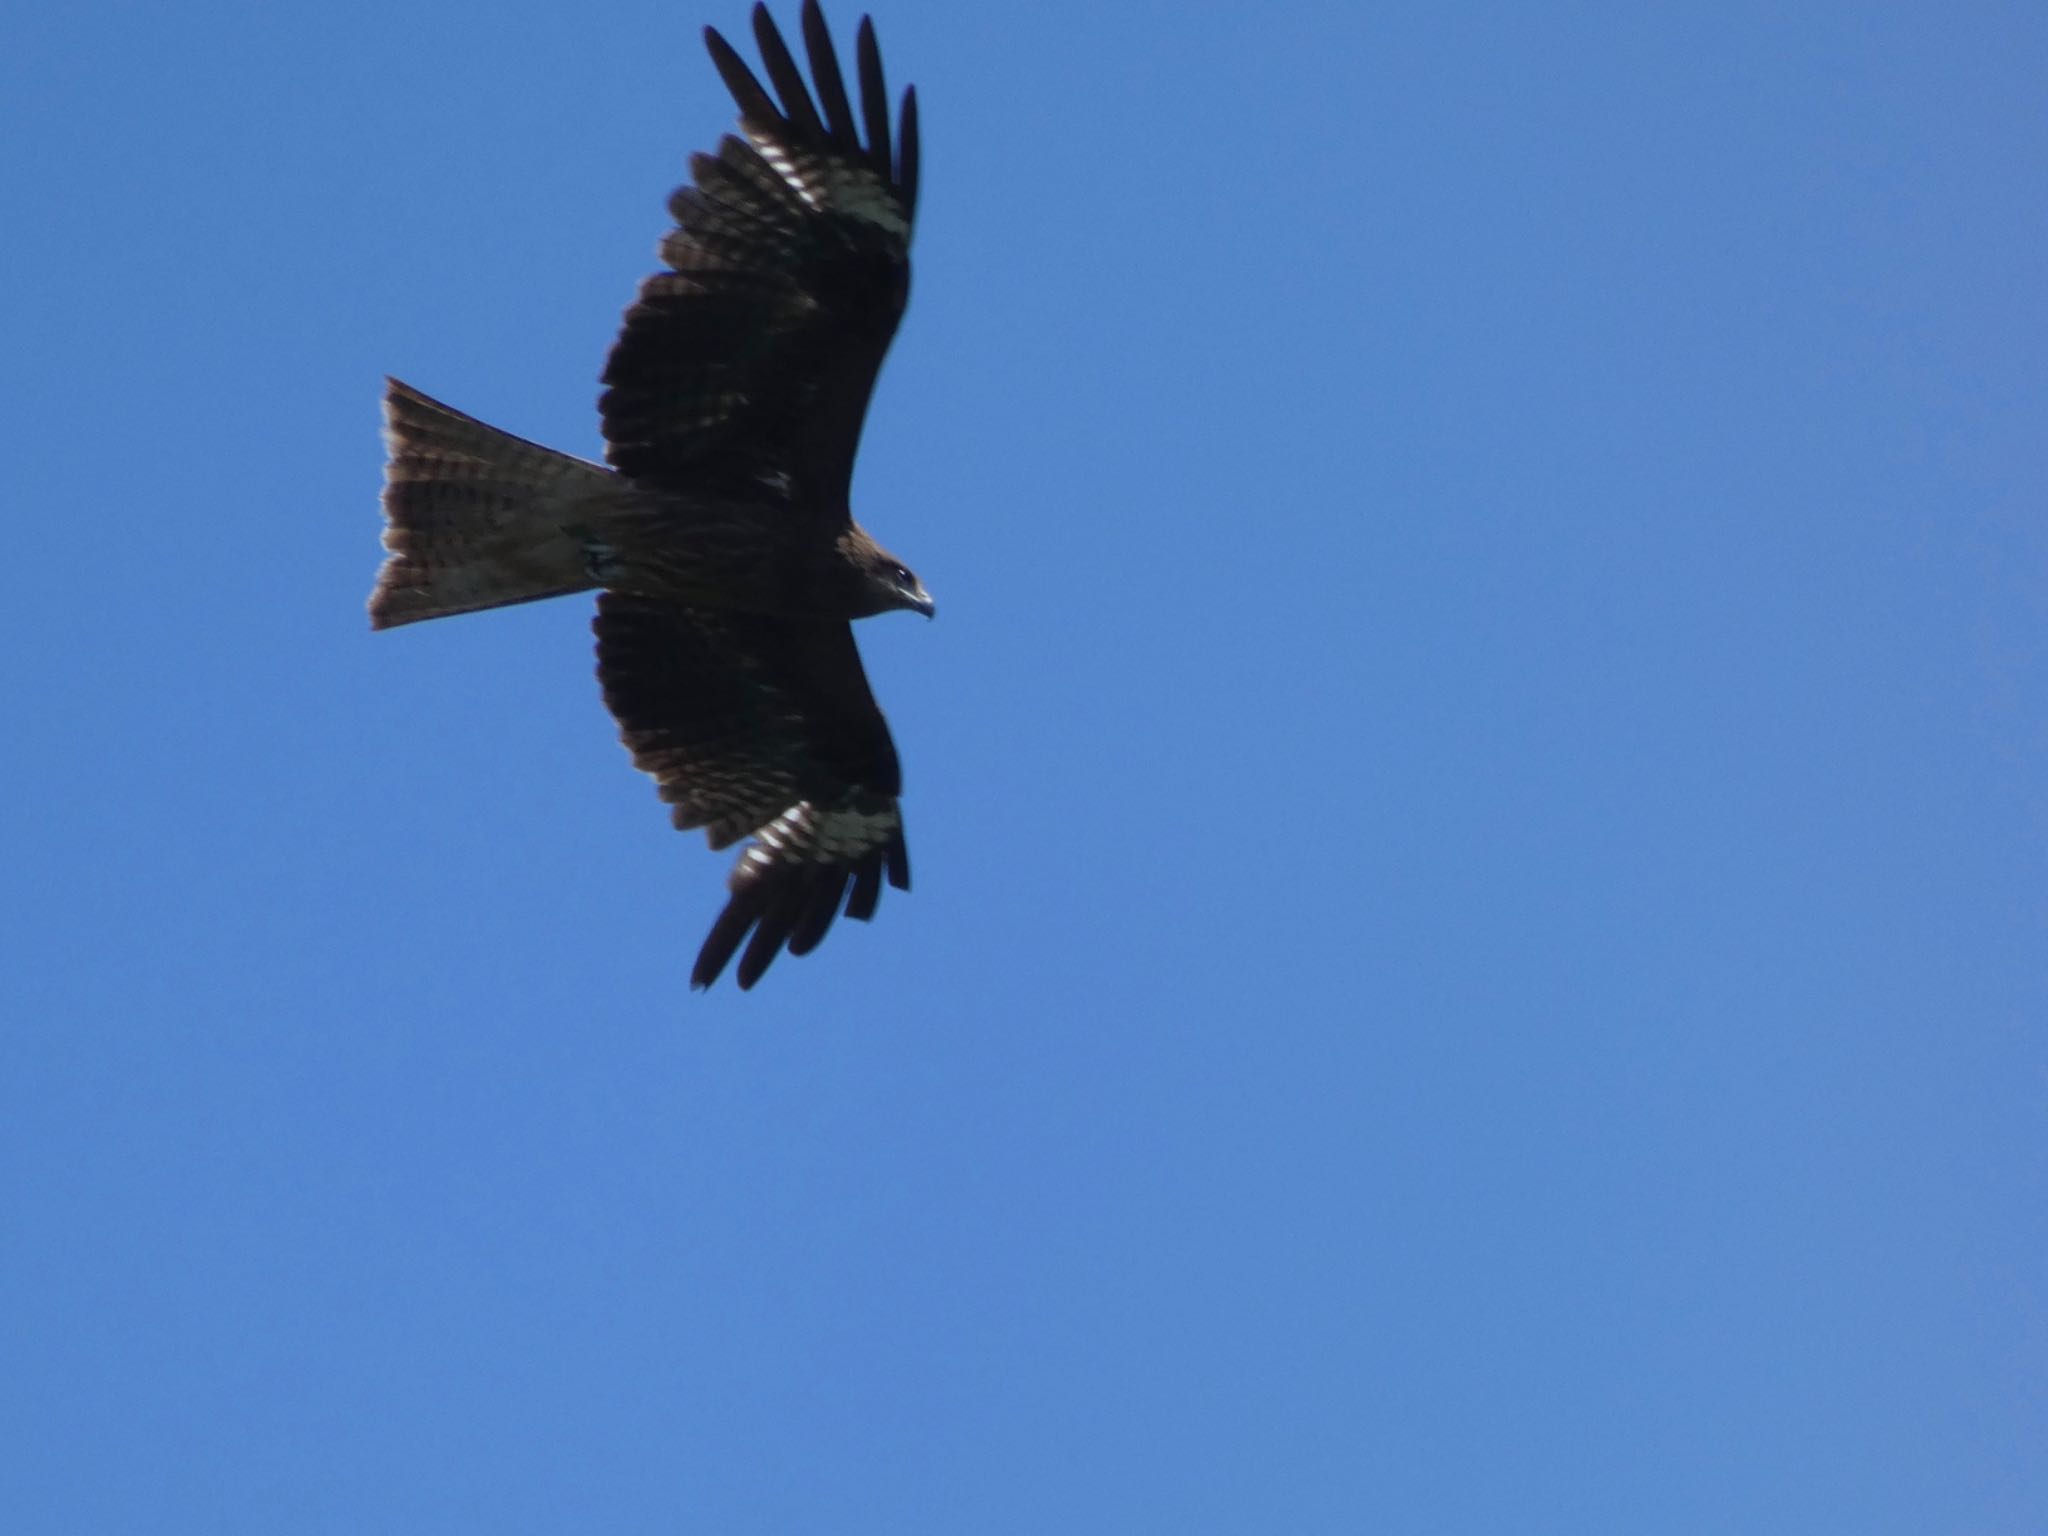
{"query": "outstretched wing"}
{"type": "Point", "coordinates": [755, 725]}
{"type": "Point", "coordinates": [791, 265]}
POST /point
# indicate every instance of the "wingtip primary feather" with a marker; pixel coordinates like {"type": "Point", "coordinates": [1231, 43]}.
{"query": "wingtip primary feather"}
{"type": "Point", "coordinates": [722, 940]}
{"type": "Point", "coordinates": [874, 95]}
{"type": "Point", "coordinates": [907, 149]}
{"type": "Point", "coordinates": [797, 106]}
{"type": "Point", "coordinates": [775, 907]}
{"type": "Point", "coordinates": [746, 90]}
{"type": "Point", "coordinates": [867, 889]}
{"type": "Point", "coordinates": [770, 930]}
{"type": "Point", "coordinates": [770, 910]}
{"type": "Point", "coordinates": [831, 83]}
{"type": "Point", "coordinates": [820, 905]}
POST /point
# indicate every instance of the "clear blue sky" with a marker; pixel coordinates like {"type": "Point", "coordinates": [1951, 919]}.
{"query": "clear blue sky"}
{"type": "Point", "coordinates": [1480, 948]}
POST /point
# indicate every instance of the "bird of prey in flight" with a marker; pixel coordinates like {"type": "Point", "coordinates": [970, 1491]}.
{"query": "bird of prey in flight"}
{"type": "Point", "coordinates": [727, 563]}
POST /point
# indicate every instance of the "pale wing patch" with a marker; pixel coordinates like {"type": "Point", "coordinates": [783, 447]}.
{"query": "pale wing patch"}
{"type": "Point", "coordinates": [831, 185]}
{"type": "Point", "coordinates": [802, 184]}
{"type": "Point", "coordinates": [864, 196]}
{"type": "Point", "coordinates": [805, 834]}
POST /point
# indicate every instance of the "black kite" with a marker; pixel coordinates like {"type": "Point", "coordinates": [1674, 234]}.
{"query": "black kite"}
{"type": "Point", "coordinates": [728, 562]}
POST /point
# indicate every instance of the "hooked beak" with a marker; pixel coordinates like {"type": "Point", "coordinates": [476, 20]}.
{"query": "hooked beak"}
{"type": "Point", "coordinates": [921, 600]}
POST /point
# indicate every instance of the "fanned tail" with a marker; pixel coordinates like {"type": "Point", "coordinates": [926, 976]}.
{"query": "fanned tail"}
{"type": "Point", "coordinates": [476, 518]}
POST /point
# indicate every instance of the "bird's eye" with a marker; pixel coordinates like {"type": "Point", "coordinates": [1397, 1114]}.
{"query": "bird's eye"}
{"type": "Point", "coordinates": [905, 578]}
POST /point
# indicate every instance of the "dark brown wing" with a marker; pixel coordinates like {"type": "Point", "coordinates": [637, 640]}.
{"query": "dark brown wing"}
{"type": "Point", "coordinates": [755, 725]}
{"type": "Point", "coordinates": [791, 265]}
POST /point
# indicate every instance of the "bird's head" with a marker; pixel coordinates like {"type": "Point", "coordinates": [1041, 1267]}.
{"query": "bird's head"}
{"type": "Point", "coordinates": [879, 581]}
{"type": "Point", "coordinates": [901, 588]}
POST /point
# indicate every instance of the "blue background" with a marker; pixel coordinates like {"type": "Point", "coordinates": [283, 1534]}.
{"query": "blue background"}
{"type": "Point", "coordinates": [1480, 942]}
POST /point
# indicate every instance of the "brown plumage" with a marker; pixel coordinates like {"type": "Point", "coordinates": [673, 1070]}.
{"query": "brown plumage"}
{"type": "Point", "coordinates": [727, 557]}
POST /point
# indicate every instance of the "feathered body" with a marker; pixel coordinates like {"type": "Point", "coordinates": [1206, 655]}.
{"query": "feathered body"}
{"type": "Point", "coordinates": [478, 518]}
{"type": "Point", "coordinates": [719, 533]}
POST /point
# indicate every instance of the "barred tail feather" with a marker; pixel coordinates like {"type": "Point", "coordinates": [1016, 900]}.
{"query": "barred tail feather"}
{"type": "Point", "coordinates": [475, 518]}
